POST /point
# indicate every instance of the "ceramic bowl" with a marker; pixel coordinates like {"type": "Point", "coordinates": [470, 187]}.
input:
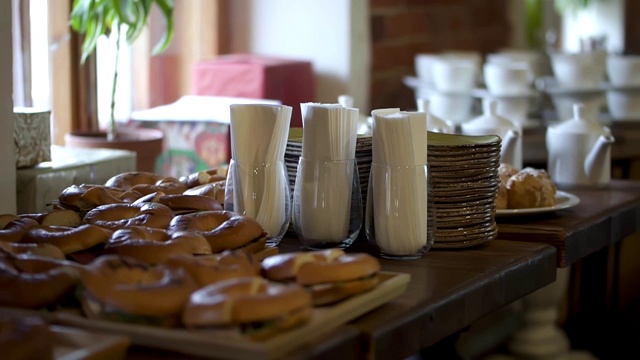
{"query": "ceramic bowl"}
{"type": "Point", "coordinates": [593, 104]}
{"type": "Point", "coordinates": [624, 104]}
{"type": "Point", "coordinates": [454, 75]}
{"type": "Point", "coordinates": [623, 70]}
{"type": "Point", "coordinates": [508, 78]}
{"type": "Point", "coordinates": [579, 71]}
{"type": "Point", "coordinates": [453, 107]}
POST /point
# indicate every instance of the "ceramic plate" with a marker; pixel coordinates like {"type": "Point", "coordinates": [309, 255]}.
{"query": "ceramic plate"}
{"type": "Point", "coordinates": [484, 93]}
{"type": "Point", "coordinates": [455, 140]}
{"type": "Point", "coordinates": [564, 200]}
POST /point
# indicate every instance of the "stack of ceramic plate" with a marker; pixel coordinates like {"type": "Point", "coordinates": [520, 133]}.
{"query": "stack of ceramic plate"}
{"type": "Point", "coordinates": [293, 152]}
{"type": "Point", "coordinates": [465, 183]}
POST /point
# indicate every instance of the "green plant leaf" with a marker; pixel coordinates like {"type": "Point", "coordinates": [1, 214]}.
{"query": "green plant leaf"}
{"type": "Point", "coordinates": [94, 30]}
{"type": "Point", "coordinates": [125, 11]}
{"type": "Point", "coordinates": [166, 7]}
{"type": "Point", "coordinates": [141, 16]}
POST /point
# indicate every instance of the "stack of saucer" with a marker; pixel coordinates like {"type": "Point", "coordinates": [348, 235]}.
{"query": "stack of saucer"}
{"type": "Point", "coordinates": [465, 183]}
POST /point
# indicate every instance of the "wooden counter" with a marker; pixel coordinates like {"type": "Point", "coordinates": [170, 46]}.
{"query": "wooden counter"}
{"type": "Point", "coordinates": [603, 217]}
{"type": "Point", "coordinates": [448, 291]}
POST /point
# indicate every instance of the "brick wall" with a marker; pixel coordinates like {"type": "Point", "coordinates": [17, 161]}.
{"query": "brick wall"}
{"type": "Point", "coordinates": [402, 28]}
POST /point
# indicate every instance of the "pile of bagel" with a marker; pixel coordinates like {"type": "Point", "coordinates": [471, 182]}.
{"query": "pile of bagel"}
{"type": "Point", "coordinates": [161, 251]}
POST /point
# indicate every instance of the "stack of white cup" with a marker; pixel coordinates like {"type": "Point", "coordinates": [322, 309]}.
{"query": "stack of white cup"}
{"type": "Point", "coordinates": [447, 81]}
{"type": "Point", "coordinates": [578, 78]}
{"type": "Point", "coordinates": [509, 80]}
{"type": "Point", "coordinates": [623, 94]}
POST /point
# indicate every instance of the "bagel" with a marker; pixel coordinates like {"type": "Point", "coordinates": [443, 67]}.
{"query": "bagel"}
{"type": "Point", "coordinates": [181, 203]}
{"type": "Point", "coordinates": [68, 239]}
{"type": "Point", "coordinates": [37, 286]}
{"type": "Point", "coordinates": [189, 203]}
{"type": "Point", "coordinates": [58, 217]}
{"type": "Point", "coordinates": [214, 189]}
{"type": "Point", "coordinates": [42, 249]}
{"type": "Point", "coordinates": [210, 269]}
{"type": "Point", "coordinates": [116, 216]}
{"type": "Point", "coordinates": [223, 229]}
{"type": "Point", "coordinates": [168, 185]}
{"type": "Point", "coordinates": [128, 180]}
{"type": "Point", "coordinates": [87, 196]}
{"type": "Point", "coordinates": [15, 228]}
{"type": "Point", "coordinates": [125, 289]}
{"type": "Point", "coordinates": [330, 275]}
{"type": "Point", "coordinates": [201, 178]}
{"type": "Point", "coordinates": [260, 308]}
{"type": "Point", "coordinates": [155, 245]}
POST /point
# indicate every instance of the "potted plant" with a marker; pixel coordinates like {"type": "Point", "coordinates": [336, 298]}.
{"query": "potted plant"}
{"type": "Point", "coordinates": [96, 18]}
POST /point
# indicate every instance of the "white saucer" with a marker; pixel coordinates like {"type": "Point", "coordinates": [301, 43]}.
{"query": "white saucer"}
{"type": "Point", "coordinates": [484, 93]}
{"type": "Point", "coordinates": [612, 87]}
{"type": "Point", "coordinates": [415, 83]}
{"type": "Point", "coordinates": [550, 86]}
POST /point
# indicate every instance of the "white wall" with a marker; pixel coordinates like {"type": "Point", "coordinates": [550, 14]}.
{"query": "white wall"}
{"type": "Point", "coordinates": [7, 151]}
{"type": "Point", "coordinates": [332, 34]}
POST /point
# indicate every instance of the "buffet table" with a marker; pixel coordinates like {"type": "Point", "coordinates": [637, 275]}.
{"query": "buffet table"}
{"type": "Point", "coordinates": [587, 239]}
{"type": "Point", "coordinates": [448, 291]}
{"type": "Point", "coordinates": [603, 217]}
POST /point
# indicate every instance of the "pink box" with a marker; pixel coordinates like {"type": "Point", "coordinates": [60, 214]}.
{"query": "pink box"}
{"type": "Point", "coordinates": [257, 77]}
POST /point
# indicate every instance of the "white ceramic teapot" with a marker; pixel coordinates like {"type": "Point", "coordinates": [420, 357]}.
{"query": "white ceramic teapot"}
{"type": "Point", "coordinates": [579, 152]}
{"type": "Point", "coordinates": [435, 123]}
{"type": "Point", "coordinates": [489, 123]}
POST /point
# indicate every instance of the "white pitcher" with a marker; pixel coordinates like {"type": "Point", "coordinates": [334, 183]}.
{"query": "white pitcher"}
{"type": "Point", "coordinates": [579, 152]}
{"type": "Point", "coordinates": [490, 123]}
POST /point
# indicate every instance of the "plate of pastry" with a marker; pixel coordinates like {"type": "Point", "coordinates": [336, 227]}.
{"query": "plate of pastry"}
{"type": "Point", "coordinates": [563, 200]}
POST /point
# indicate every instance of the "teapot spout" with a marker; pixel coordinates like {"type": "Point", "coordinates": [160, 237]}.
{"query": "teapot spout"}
{"type": "Point", "coordinates": [595, 160]}
{"type": "Point", "coordinates": [508, 149]}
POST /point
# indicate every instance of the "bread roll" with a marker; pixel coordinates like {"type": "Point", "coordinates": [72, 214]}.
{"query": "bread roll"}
{"type": "Point", "coordinates": [530, 188]}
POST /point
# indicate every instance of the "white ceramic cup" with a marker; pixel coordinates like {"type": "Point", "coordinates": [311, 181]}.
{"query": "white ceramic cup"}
{"type": "Point", "coordinates": [592, 104]}
{"type": "Point", "coordinates": [423, 65]}
{"type": "Point", "coordinates": [579, 71]}
{"type": "Point", "coordinates": [508, 78]}
{"type": "Point", "coordinates": [624, 104]}
{"type": "Point", "coordinates": [453, 107]}
{"type": "Point", "coordinates": [454, 75]}
{"type": "Point", "coordinates": [514, 109]}
{"type": "Point", "coordinates": [532, 58]}
{"type": "Point", "coordinates": [623, 70]}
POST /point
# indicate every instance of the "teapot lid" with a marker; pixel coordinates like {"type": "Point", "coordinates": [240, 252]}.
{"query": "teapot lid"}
{"type": "Point", "coordinates": [579, 124]}
{"type": "Point", "coordinates": [490, 118]}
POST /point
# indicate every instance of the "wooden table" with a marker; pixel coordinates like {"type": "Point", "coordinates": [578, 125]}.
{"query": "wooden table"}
{"type": "Point", "coordinates": [603, 217]}
{"type": "Point", "coordinates": [586, 237]}
{"type": "Point", "coordinates": [448, 291]}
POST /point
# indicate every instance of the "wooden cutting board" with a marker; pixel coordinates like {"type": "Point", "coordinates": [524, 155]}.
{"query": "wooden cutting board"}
{"type": "Point", "coordinates": [232, 345]}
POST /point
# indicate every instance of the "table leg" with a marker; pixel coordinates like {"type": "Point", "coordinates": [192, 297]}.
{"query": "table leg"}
{"type": "Point", "coordinates": [540, 337]}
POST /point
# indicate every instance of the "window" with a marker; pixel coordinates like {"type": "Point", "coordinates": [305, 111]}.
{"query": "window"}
{"type": "Point", "coordinates": [48, 73]}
